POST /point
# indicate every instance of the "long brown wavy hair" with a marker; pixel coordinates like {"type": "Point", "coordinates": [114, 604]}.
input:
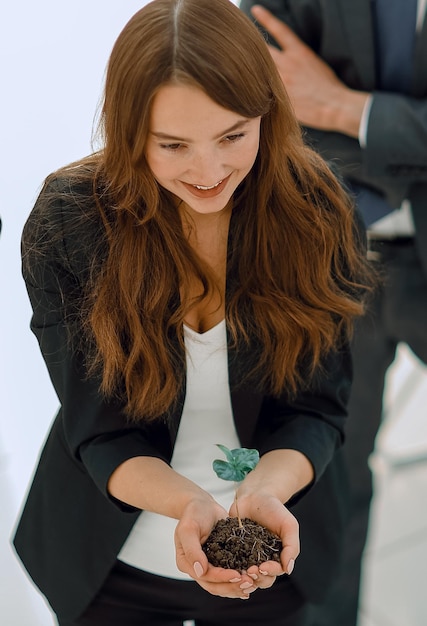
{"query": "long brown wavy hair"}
{"type": "Point", "coordinates": [300, 274]}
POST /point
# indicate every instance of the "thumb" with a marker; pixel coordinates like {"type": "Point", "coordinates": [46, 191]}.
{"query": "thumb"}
{"type": "Point", "coordinates": [190, 557]}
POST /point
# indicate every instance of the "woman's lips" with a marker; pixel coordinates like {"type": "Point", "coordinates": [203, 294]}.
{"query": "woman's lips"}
{"type": "Point", "coordinates": [200, 191]}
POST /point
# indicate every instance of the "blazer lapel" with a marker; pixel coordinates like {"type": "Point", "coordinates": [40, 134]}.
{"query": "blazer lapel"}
{"type": "Point", "coordinates": [357, 21]}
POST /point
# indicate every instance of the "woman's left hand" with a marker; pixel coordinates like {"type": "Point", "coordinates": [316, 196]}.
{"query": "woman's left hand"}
{"type": "Point", "coordinates": [279, 475]}
{"type": "Point", "coordinates": [268, 511]}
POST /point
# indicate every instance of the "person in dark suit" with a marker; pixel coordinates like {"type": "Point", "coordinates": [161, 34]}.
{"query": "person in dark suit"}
{"type": "Point", "coordinates": [356, 73]}
{"type": "Point", "coordinates": [193, 282]}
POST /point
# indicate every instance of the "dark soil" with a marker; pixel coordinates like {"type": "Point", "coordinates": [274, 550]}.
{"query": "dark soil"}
{"type": "Point", "coordinates": [233, 547]}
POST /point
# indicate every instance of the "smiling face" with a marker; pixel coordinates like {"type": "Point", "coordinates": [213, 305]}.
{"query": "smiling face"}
{"type": "Point", "coordinates": [198, 150]}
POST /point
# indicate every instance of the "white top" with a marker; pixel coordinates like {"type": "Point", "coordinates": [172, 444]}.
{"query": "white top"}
{"type": "Point", "coordinates": [206, 420]}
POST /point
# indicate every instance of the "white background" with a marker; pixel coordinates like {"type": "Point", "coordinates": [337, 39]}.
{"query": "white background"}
{"type": "Point", "coordinates": [53, 57]}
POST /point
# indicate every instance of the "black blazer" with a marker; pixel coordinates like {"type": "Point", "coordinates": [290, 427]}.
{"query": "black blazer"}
{"type": "Point", "coordinates": [71, 530]}
{"type": "Point", "coordinates": [394, 161]}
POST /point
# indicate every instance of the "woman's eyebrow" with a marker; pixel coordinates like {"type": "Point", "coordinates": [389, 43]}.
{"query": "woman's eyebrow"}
{"type": "Point", "coordinates": [237, 126]}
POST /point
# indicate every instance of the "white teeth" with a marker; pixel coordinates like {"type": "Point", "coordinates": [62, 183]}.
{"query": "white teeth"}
{"type": "Point", "coordinates": [202, 188]}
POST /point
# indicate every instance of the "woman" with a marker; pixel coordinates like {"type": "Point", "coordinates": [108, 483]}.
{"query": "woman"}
{"type": "Point", "coordinates": [194, 282]}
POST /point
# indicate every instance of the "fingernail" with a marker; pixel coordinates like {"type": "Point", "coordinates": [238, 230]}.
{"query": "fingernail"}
{"type": "Point", "coordinates": [246, 585]}
{"type": "Point", "coordinates": [290, 569]}
{"type": "Point", "coordinates": [253, 576]}
{"type": "Point", "coordinates": [263, 572]}
{"type": "Point", "coordinates": [235, 580]}
{"type": "Point", "coordinates": [198, 569]}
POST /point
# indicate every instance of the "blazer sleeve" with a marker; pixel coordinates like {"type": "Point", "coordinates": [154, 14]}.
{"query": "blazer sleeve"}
{"type": "Point", "coordinates": [396, 143]}
{"type": "Point", "coordinates": [312, 422]}
{"type": "Point", "coordinates": [97, 433]}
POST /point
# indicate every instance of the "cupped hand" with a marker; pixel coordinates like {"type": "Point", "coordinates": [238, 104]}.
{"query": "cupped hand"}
{"type": "Point", "coordinates": [267, 510]}
{"type": "Point", "coordinates": [191, 532]}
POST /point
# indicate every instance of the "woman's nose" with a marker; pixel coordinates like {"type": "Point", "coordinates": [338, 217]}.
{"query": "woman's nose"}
{"type": "Point", "coordinates": [207, 168]}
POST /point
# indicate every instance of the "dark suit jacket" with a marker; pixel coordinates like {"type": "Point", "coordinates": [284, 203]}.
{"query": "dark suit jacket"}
{"type": "Point", "coordinates": [394, 161]}
{"type": "Point", "coordinates": [71, 530]}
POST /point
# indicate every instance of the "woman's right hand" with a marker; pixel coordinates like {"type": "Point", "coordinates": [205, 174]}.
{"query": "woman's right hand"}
{"type": "Point", "coordinates": [192, 530]}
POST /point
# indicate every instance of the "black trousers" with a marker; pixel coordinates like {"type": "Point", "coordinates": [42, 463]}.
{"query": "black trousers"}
{"type": "Point", "coordinates": [131, 597]}
{"type": "Point", "coordinates": [397, 314]}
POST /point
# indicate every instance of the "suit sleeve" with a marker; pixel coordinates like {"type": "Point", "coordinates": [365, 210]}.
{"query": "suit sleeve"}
{"type": "Point", "coordinates": [96, 431]}
{"type": "Point", "coordinates": [313, 422]}
{"type": "Point", "coordinates": [395, 156]}
{"type": "Point", "coordinates": [396, 143]}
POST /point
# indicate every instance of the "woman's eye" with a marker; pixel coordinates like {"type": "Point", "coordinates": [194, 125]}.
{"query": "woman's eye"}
{"type": "Point", "coordinates": [171, 146]}
{"type": "Point", "coordinates": [233, 138]}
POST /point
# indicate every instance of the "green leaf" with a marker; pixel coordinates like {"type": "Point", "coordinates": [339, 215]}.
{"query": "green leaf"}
{"type": "Point", "coordinates": [240, 462]}
{"type": "Point", "coordinates": [227, 452]}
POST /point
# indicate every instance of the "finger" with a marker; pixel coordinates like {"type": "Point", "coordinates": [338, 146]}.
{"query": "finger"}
{"type": "Point", "coordinates": [276, 55]}
{"type": "Point", "coordinates": [291, 549]}
{"type": "Point", "coordinates": [227, 583]}
{"type": "Point", "coordinates": [226, 576]}
{"type": "Point", "coordinates": [288, 558]}
{"type": "Point", "coordinates": [189, 555]}
{"type": "Point", "coordinates": [241, 590]}
{"type": "Point", "coordinates": [264, 581]}
{"type": "Point", "coordinates": [280, 31]}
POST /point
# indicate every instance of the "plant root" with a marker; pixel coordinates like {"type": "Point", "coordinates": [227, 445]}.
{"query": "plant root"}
{"type": "Point", "coordinates": [238, 544]}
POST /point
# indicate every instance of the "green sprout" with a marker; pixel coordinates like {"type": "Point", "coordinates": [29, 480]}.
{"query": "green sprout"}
{"type": "Point", "coordinates": [239, 463]}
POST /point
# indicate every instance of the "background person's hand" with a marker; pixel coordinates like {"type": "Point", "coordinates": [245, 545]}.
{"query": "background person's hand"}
{"type": "Point", "coordinates": [320, 100]}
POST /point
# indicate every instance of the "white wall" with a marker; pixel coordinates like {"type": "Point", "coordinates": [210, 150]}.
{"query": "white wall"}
{"type": "Point", "coordinates": [53, 56]}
